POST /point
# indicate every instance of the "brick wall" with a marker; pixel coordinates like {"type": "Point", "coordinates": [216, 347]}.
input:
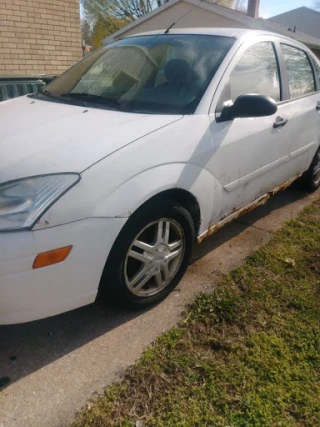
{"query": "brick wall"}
{"type": "Point", "coordinates": [39, 36]}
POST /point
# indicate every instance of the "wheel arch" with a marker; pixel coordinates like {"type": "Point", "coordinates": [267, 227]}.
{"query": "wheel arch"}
{"type": "Point", "coordinates": [183, 197]}
{"type": "Point", "coordinates": [177, 201]}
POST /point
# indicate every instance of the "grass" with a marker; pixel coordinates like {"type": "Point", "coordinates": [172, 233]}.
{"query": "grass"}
{"type": "Point", "coordinates": [246, 355]}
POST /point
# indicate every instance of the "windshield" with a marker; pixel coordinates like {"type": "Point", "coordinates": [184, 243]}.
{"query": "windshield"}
{"type": "Point", "coordinates": [165, 73]}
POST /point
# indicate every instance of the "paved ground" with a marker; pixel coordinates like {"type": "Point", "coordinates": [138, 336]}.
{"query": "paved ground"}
{"type": "Point", "coordinates": [56, 364]}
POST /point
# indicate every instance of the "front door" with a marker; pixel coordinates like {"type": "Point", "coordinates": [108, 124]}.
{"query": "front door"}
{"type": "Point", "coordinates": [251, 154]}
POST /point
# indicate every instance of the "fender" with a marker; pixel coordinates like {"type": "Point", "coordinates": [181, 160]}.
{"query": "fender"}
{"type": "Point", "coordinates": [134, 193]}
{"type": "Point", "coordinates": [118, 184]}
{"type": "Point", "coordinates": [126, 198]}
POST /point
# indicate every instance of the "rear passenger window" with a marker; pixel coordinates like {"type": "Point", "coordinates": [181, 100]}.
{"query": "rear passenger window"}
{"type": "Point", "coordinates": [299, 70]}
{"type": "Point", "coordinates": [316, 69]}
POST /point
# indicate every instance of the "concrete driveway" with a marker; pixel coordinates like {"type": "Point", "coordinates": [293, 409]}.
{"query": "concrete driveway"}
{"type": "Point", "coordinates": [55, 365]}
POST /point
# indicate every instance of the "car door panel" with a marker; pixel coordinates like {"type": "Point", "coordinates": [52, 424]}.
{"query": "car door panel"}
{"type": "Point", "coordinates": [250, 158]}
{"type": "Point", "coordinates": [303, 100]}
{"type": "Point", "coordinates": [306, 130]}
{"type": "Point", "coordinates": [251, 155]}
{"type": "Point", "coordinates": [255, 174]}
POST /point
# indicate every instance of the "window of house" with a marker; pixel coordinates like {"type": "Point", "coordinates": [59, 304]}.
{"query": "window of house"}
{"type": "Point", "coordinates": [300, 74]}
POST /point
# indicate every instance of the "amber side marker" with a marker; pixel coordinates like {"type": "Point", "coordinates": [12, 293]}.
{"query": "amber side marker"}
{"type": "Point", "coordinates": [51, 257]}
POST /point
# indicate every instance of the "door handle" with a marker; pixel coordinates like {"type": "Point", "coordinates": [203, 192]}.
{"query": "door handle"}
{"type": "Point", "coordinates": [318, 106]}
{"type": "Point", "coordinates": [280, 122]}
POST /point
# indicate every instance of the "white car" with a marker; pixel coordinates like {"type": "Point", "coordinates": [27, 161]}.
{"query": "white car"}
{"type": "Point", "coordinates": [111, 174]}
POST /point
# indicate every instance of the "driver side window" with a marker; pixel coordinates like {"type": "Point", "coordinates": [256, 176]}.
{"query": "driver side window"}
{"type": "Point", "coordinates": [257, 72]}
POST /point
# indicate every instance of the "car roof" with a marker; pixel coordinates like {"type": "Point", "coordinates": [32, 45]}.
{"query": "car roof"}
{"type": "Point", "coordinates": [238, 33]}
{"type": "Point", "coordinates": [228, 32]}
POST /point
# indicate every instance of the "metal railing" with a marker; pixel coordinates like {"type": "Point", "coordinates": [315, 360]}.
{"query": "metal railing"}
{"type": "Point", "coordinates": [14, 86]}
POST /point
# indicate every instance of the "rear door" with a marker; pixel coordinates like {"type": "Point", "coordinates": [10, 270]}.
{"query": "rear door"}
{"type": "Point", "coordinates": [304, 99]}
{"type": "Point", "coordinates": [251, 155]}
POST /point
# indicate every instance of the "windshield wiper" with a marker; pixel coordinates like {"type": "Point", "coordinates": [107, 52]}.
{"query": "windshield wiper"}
{"type": "Point", "coordinates": [95, 98]}
{"type": "Point", "coordinates": [45, 92]}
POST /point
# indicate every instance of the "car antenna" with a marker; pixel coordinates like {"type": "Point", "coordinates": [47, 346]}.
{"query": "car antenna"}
{"type": "Point", "coordinates": [169, 28]}
{"type": "Point", "coordinates": [181, 17]}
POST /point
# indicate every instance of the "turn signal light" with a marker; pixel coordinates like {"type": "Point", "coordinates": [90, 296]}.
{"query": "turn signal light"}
{"type": "Point", "coordinates": [51, 257]}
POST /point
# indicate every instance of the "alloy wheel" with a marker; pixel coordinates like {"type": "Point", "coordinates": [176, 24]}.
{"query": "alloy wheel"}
{"type": "Point", "coordinates": [316, 169]}
{"type": "Point", "coordinates": [154, 257]}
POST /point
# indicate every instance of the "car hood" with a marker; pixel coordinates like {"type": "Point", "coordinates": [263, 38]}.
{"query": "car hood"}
{"type": "Point", "coordinates": [39, 137]}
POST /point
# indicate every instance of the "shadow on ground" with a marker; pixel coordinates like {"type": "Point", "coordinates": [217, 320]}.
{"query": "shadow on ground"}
{"type": "Point", "coordinates": [28, 347]}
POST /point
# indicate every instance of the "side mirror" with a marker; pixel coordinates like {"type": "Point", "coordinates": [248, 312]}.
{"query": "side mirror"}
{"type": "Point", "coordinates": [249, 106]}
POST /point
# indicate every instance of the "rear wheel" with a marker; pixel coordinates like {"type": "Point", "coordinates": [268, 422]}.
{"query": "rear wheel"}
{"type": "Point", "coordinates": [311, 178]}
{"type": "Point", "coordinates": [150, 255]}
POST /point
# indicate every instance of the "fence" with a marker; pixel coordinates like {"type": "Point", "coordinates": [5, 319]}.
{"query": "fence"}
{"type": "Point", "coordinates": [12, 86]}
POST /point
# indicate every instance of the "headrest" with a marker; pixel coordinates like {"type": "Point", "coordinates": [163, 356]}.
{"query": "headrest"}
{"type": "Point", "coordinates": [177, 70]}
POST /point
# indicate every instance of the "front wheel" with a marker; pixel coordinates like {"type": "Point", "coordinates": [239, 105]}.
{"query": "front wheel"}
{"type": "Point", "coordinates": [150, 255]}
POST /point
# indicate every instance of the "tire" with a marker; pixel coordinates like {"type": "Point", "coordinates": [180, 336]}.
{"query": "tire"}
{"type": "Point", "coordinates": [310, 180]}
{"type": "Point", "coordinates": [145, 250]}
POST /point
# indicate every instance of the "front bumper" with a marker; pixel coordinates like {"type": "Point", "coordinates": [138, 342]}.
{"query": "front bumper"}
{"type": "Point", "coordinates": [27, 294]}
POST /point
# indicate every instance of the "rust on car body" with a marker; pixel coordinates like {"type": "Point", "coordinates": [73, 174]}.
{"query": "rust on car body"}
{"type": "Point", "coordinates": [285, 184]}
{"type": "Point", "coordinates": [251, 206]}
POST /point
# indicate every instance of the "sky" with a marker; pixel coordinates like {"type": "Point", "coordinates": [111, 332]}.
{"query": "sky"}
{"type": "Point", "coordinates": [270, 8]}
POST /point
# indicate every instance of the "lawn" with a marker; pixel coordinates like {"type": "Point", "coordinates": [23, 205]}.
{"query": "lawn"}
{"type": "Point", "coordinates": [248, 354]}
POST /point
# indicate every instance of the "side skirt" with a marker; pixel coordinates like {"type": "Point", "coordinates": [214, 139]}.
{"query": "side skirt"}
{"type": "Point", "coordinates": [212, 229]}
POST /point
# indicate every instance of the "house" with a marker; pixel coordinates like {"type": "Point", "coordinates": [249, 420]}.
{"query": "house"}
{"type": "Point", "coordinates": [39, 37]}
{"type": "Point", "coordinates": [200, 13]}
{"type": "Point", "coordinates": [302, 19]}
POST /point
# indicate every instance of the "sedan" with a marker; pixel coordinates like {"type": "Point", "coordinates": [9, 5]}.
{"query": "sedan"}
{"type": "Point", "coordinates": [111, 174]}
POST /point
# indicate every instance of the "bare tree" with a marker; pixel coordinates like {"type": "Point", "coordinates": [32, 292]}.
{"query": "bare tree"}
{"type": "Point", "coordinates": [85, 31]}
{"type": "Point", "coordinates": [120, 9]}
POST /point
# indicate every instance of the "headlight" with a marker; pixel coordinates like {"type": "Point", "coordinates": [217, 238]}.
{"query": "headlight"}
{"type": "Point", "coordinates": [23, 201]}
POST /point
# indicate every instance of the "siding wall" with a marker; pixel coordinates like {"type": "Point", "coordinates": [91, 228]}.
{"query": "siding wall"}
{"type": "Point", "coordinates": [39, 36]}
{"type": "Point", "coordinates": [304, 19]}
{"type": "Point", "coordinates": [195, 17]}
